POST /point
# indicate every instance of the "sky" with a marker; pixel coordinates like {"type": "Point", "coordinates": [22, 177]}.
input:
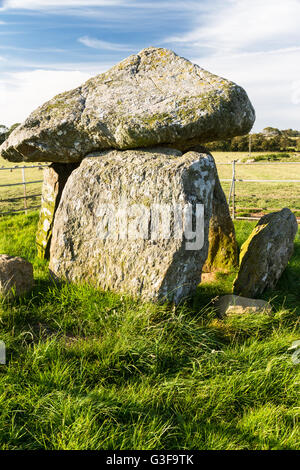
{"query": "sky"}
{"type": "Point", "coordinates": [50, 46]}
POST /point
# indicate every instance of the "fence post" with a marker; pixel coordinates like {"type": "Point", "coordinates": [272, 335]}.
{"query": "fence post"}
{"type": "Point", "coordinates": [24, 185]}
{"type": "Point", "coordinates": [233, 189]}
{"type": "Point", "coordinates": [250, 145]}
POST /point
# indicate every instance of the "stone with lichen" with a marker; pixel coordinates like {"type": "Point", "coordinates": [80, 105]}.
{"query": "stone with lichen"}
{"type": "Point", "coordinates": [234, 304]}
{"type": "Point", "coordinates": [16, 276]}
{"type": "Point", "coordinates": [55, 178]}
{"type": "Point", "coordinates": [223, 248]}
{"type": "Point", "coordinates": [152, 98]}
{"type": "Point", "coordinates": [265, 254]}
{"type": "Point", "coordinates": [156, 265]}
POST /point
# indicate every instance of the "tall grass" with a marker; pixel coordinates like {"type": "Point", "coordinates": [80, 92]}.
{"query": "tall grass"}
{"type": "Point", "coordinates": [94, 370]}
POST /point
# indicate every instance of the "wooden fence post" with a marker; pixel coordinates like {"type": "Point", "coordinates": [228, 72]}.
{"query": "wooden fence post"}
{"type": "Point", "coordinates": [24, 186]}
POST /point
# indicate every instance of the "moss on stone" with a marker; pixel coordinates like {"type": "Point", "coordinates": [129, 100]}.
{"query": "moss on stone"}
{"type": "Point", "coordinates": [246, 244]}
{"type": "Point", "coordinates": [43, 237]}
{"type": "Point", "coordinates": [222, 253]}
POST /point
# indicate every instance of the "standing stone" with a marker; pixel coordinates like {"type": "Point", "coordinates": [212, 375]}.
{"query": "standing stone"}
{"type": "Point", "coordinates": [223, 247]}
{"type": "Point", "coordinates": [16, 276]}
{"type": "Point", "coordinates": [90, 243]}
{"type": "Point", "coordinates": [266, 253]}
{"type": "Point", "coordinates": [152, 98]}
{"type": "Point", "coordinates": [55, 178]}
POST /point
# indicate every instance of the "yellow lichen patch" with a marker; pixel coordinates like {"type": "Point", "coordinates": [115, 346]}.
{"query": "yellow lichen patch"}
{"type": "Point", "coordinates": [245, 245]}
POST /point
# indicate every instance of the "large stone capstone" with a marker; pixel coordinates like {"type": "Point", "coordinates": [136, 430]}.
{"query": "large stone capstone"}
{"type": "Point", "coordinates": [266, 253]}
{"type": "Point", "coordinates": [152, 98]}
{"type": "Point", "coordinates": [136, 221]}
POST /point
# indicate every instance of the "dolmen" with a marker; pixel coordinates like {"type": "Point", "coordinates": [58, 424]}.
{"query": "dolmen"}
{"type": "Point", "coordinates": [131, 191]}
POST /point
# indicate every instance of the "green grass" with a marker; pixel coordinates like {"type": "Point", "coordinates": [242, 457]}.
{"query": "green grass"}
{"type": "Point", "coordinates": [94, 370]}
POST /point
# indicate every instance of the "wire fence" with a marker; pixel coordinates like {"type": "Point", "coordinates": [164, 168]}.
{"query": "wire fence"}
{"type": "Point", "coordinates": [232, 197]}
{"type": "Point", "coordinates": [22, 195]}
{"type": "Point", "coordinates": [13, 201]}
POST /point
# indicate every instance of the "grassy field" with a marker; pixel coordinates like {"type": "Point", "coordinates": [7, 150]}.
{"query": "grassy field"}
{"type": "Point", "coordinates": [15, 176]}
{"type": "Point", "coordinates": [265, 196]}
{"type": "Point", "coordinates": [94, 370]}
{"type": "Point", "coordinates": [253, 198]}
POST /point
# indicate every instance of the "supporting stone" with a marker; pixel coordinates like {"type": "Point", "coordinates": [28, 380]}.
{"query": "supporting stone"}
{"type": "Point", "coordinates": [55, 178]}
{"type": "Point", "coordinates": [266, 253]}
{"type": "Point", "coordinates": [118, 225]}
{"type": "Point", "coordinates": [223, 247]}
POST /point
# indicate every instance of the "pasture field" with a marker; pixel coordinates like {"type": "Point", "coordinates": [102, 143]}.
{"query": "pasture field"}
{"type": "Point", "coordinates": [255, 198]}
{"type": "Point", "coordinates": [15, 176]}
{"type": "Point", "coordinates": [95, 370]}
{"type": "Point", "coordinates": [265, 196]}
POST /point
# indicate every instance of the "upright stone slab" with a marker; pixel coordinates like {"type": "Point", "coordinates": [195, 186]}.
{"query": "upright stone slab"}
{"type": "Point", "coordinates": [134, 251]}
{"type": "Point", "coordinates": [266, 253]}
{"type": "Point", "coordinates": [55, 178]}
{"type": "Point", "coordinates": [223, 247]}
{"type": "Point", "coordinates": [151, 98]}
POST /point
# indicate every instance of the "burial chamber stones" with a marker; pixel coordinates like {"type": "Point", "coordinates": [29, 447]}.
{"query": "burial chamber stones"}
{"type": "Point", "coordinates": [151, 98]}
{"type": "Point", "coordinates": [128, 199]}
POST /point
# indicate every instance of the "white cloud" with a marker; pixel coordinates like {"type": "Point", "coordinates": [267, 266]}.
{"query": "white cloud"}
{"type": "Point", "coordinates": [22, 92]}
{"type": "Point", "coordinates": [240, 24]}
{"type": "Point", "coordinates": [256, 44]}
{"type": "Point", "coordinates": [136, 4]}
{"type": "Point", "coordinates": [103, 45]}
{"type": "Point", "coordinates": [47, 4]}
{"type": "Point", "coordinates": [296, 92]}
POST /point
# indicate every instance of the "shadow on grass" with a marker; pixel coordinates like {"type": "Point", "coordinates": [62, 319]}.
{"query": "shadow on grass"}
{"type": "Point", "coordinates": [287, 291]}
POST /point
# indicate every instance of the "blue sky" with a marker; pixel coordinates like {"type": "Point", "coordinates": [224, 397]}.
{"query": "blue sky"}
{"type": "Point", "coordinates": [49, 46]}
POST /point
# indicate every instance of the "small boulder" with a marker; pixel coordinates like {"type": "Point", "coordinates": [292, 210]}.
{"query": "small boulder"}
{"type": "Point", "coordinates": [234, 304]}
{"type": "Point", "coordinates": [266, 253]}
{"type": "Point", "coordinates": [16, 276]}
{"type": "Point", "coordinates": [151, 98]}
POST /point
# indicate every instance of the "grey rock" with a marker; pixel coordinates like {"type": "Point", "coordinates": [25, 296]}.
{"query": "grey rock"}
{"type": "Point", "coordinates": [223, 247]}
{"type": "Point", "coordinates": [266, 253]}
{"type": "Point", "coordinates": [16, 276]}
{"type": "Point", "coordinates": [55, 178]}
{"type": "Point", "coordinates": [86, 245]}
{"type": "Point", "coordinates": [234, 304]}
{"type": "Point", "coordinates": [152, 98]}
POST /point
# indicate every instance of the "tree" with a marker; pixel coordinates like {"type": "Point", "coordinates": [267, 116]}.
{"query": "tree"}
{"type": "Point", "coordinates": [286, 142]}
{"type": "Point", "coordinates": [271, 131]}
{"type": "Point", "coordinates": [3, 133]}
